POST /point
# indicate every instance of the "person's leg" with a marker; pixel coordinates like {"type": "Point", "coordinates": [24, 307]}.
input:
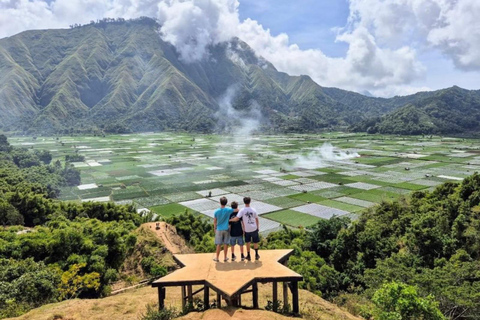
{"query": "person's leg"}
{"type": "Point", "coordinates": [225, 249]}
{"type": "Point", "coordinates": [241, 243]}
{"type": "Point", "coordinates": [225, 241]}
{"type": "Point", "coordinates": [232, 247]}
{"type": "Point", "coordinates": [256, 240]}
{"type": "Point", "coordinates": [248, 240]}
{"type": "Point", "coordinates": [217, 243]}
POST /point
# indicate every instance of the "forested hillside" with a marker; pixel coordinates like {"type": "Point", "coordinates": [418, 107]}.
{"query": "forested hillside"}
{"type": "Point", "coordinates": [448, 111]}
{"type": "Point", "coordinates": [406, 257]}
{"type": "Point", "coordinates": [51, 250]}
{"type": "Point", "coordinates": [120, 76]}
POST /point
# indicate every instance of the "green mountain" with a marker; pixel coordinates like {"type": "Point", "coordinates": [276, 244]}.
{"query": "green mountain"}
{"type": "Point", "coordinates": [448, 111]}
{"type": "Point", "coordinates": [120, 76]}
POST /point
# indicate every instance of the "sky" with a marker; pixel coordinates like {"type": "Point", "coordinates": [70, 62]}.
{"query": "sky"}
{"type": "Point", "coordinates": [383, 47]}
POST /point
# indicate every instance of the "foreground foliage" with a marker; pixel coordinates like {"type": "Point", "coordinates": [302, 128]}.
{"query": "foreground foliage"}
{"type": "Point", "coordinates": [430, 240]}
{"type": "Point", "coordinates": [57, 250]}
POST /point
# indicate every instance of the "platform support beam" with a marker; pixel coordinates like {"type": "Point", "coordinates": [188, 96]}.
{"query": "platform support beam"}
{"type": "Point", "coordinates": [184, 297]}
{"type": "Point", "coordinates": [206, 297]}
{"type": "Point", "coordinates": [190, 295]}
{"type": "Point", "coordinates": [285, 295]}
{"type": "Point", "coordinates": [275, 295]}
{"type": "Point", "coordinates": [219, 300]}
{"type": "Point", "coordinates": [295, 307]}
{"type": "Point", "coordinates": [255, 294]}
{"type": "Point", "coordinates": [161, 298]}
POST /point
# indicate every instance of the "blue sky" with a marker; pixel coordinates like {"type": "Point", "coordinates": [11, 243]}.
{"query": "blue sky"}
{"type": "Point", "coordinates": [309, 23]}
{"type": "Point", "coordinates": [314, 24]}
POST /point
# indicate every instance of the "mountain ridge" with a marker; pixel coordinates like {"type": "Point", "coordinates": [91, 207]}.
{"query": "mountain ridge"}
{"type": "Point", "coordinates": [120, 76]}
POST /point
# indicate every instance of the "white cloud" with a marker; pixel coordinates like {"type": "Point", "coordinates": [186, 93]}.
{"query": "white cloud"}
{"type": "Point", "coordinates": [451, 26]}
{"type": "Point", "coordinates": [193, 25]}
{"type": "Point", "coordinates": [365, 67]}
{"type": "Point", "coordinates": [383, 37]}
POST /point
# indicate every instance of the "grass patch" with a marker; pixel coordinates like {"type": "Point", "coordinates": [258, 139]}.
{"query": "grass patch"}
{"type": "Point", "coordinates": [341, 205]}
{"type": "Point", "coordinates": [376, 182]}
{"type": "Point", "coordinates": [409, 186]}
{"type": "Point", "coordinates": [307, 197]}
{"type": "Point", "coordinates": [169, 210]}
{"type": "Point", "coordinates": [292, 218]}
{"type": "Point", "coordinates": [334, 178]}
{"type": "Point", "coordinates": [376, 196]}
{"type": "Point", "coordinates": [285, 202]}
{"type": "Point", "coordinates": [290, 177]}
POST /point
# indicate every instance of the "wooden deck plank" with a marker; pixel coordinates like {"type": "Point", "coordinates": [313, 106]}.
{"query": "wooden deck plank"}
{"type": "Point", "coordinates": [229, 277]}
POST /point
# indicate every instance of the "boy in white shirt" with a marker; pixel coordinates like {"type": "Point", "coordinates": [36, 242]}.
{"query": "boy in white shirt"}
{"type": "Point", "coordinates": [249, 217]}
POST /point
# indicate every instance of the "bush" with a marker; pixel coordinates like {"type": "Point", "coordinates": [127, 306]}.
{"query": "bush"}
{"type": "Point", "coordinates": [152, 313]}
{"type": "Point", "coordinates": [397, 301]}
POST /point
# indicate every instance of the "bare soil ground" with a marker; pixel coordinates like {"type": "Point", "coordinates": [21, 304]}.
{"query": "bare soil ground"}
{"type": "Point", "coordinates": [168, 234]}
{"type": "Point", "coordinates": [132, 304]}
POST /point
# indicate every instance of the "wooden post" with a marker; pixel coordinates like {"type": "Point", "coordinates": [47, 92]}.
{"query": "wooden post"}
{"type": "Point", "coordinates": [219, 300]}
{"type": "Point", "coordinates": [255, 295]}
{"type": "Point", "coordinates": [285, 295]}
{"type": "Point", "coordinates": [206, 297]}
{"type": "Point", "coordinates": [190, 296]}
{"type": "Point", "coordinates": [275, 295]}
{"type": "Point", "coordinates": [295, 307]}
{"type": "Point", "coordinates": [161, 298]}
{"type": "Point", "coordinates": [184, 297]}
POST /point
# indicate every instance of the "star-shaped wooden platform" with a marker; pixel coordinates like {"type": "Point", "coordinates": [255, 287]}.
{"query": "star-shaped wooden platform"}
{"type": "Point", "coordinates": [232, 277]}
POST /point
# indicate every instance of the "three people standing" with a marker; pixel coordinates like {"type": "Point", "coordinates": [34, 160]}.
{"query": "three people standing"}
{"type": "Point", "coordinates": [227, 223]}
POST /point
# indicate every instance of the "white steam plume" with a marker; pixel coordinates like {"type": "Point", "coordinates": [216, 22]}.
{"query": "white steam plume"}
{"type": "Point", "coordinates": [241, 123]}
{"type": "Point", "coordinates": [322, 155]}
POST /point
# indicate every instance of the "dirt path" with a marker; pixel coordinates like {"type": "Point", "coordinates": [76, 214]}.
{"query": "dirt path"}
{"type": "Point", "coordinates": [168, 234]}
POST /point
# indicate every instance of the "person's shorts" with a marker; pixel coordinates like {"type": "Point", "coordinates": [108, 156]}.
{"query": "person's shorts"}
{"type": "Point", "coordinates": [236, 240]}
{"type": "Point", "coordinates": [252, 237]}
{"type": "Point", "coordinates": [222, 237]}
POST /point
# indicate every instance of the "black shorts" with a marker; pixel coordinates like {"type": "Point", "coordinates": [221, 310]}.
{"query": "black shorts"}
{"type": "Point", "coordinates": [252, 237]}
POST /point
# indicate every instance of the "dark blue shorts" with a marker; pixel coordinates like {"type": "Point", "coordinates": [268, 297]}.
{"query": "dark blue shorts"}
{"type": "Point", "coordinates": [236, 240]}
{"type": "Point", "coordinates": [252, 237]}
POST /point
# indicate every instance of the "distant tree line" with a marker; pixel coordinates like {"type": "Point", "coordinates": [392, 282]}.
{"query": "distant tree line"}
{"type": "Point", "coordinates": [103, 22]}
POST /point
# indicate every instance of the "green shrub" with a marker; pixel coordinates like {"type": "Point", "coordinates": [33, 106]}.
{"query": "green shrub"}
{"type": "Point", "coordinates": [152, 313]}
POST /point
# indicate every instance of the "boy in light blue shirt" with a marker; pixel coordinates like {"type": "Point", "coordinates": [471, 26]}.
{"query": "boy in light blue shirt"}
{"type": "Point", "coordinates": [220, 225]}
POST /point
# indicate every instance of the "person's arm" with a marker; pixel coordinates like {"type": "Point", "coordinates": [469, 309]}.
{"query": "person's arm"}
{"type": "Point", "coordinates": [237, 218]}
{"type": "Point", "coordinates": [258, 224]}
{"type": "Point", "coordinates": [214, 224]}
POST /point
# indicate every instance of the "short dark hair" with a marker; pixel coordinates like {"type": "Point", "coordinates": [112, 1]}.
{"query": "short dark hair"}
{"type": "Point", "coordinates": [234, 205]}
{"type": "Point", "coordinates": [247, 200]}
{"type": "Point", "coordinates": [223, 201]}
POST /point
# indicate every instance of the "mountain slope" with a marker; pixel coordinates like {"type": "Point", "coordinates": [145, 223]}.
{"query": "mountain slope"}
{"type": "Point", "coordinates": [452, 111]}
{"type": "Point", "coordinates": [119, 76]}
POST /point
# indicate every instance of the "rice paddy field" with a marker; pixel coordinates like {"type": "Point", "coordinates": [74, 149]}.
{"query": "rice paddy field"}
{"type": "Point", "coordinates": [292, 179]}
